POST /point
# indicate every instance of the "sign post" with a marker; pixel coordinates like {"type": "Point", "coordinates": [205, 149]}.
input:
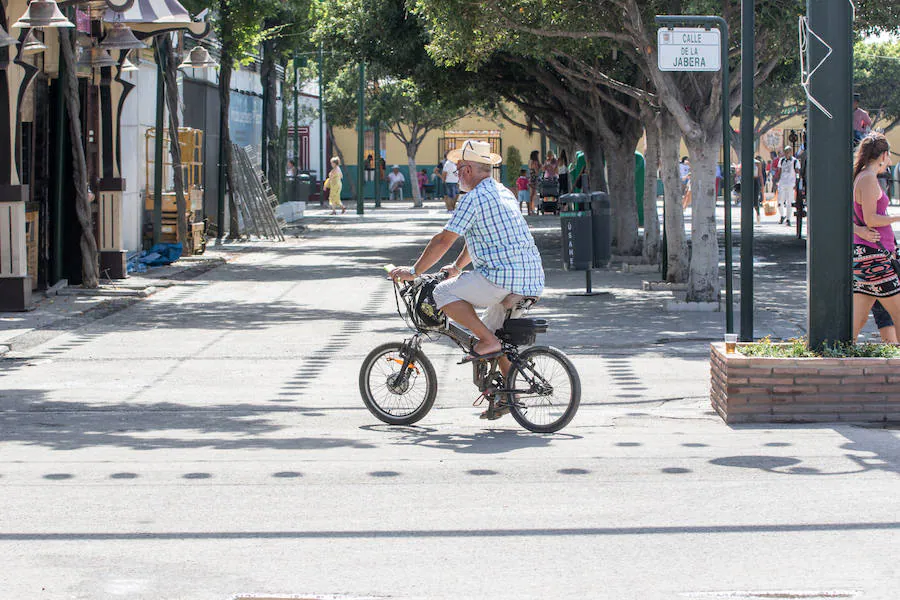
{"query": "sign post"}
{"type": "Point", "coordinates": [690, 44]}
{"type": "Point", "coordinates": [689, 49]}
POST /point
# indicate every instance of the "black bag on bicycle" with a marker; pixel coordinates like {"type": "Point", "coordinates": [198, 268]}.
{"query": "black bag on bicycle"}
{"type": "Point", "coordinates": [427, 312]}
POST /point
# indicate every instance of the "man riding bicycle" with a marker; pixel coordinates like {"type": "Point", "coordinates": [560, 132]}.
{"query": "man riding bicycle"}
{"type": "Point", "coordinates": [498, 244]}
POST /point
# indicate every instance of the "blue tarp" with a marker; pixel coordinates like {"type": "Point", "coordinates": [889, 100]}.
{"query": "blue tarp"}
{"type": "Point", "coordinates": [158, 255]}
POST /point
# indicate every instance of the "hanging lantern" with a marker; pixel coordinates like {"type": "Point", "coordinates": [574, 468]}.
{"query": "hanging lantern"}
{"type": "Point", "coordinates": [32, 45]}
{"type": "Point", "coordinates": [120, 37]}
{"type": "Point", "coordinates": [127, 66]}
{"type": "Point", "coordinates": [43, 13]}
{"type": "Point", "coordinates": [6, 39]}
{"type": "Point", "coordinates": [198, 58]}
{"type": "Point", "coordinates": [95, 58]}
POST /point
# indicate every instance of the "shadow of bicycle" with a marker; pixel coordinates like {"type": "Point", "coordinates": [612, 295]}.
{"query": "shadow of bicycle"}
{"type": "Point", "coordinates": [490, 441]}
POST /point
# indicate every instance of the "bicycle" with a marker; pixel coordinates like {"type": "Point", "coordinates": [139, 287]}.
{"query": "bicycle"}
{"type": "Point", "coordinates": [398, 383]}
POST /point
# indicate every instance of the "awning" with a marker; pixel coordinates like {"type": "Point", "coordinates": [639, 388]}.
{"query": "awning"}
{"type": "Point", "coordinates": [157, 12]}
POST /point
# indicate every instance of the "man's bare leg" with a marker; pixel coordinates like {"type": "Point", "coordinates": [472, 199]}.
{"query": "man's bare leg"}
{"type": "Point", "coordinates": [464, 313]}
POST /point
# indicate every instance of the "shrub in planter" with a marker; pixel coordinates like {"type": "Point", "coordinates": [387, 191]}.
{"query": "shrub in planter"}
{"type": "Point", "coordinates": [767, 382]}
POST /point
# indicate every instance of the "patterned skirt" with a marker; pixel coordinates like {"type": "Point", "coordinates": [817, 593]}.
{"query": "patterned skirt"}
{"type": "Point", "coordinates": [873, 274]}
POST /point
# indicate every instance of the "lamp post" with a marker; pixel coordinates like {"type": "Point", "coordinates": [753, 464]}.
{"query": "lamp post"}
{"type": "Point", "coordinates": [360, 141]}
{"type": "Point", "coordinates": [376, 176]}
{"type": "Point", "coordinates": [748, 60]}
{"type": "Point", "coordinates": [322, 170]}
{"type": "Point", "coordinates": [296, 114]}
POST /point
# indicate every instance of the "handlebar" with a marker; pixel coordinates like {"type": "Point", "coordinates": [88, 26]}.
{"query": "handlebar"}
{"type": "Point", "coordinates": [419, 280]}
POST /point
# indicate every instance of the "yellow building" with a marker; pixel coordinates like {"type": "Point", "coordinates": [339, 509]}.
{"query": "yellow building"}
{"type": "Point", "coordinates": [501, 135]}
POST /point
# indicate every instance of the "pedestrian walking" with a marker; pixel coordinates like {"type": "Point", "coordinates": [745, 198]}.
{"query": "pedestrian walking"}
{"type": "Point", "coordinates": [684, 174]}
{"type": "Point", "coordinates": [786, 173]}
{"type": "Point", "coordinates": [450, 177]}
{"type": "Point", "coordinates": [862, 122]}
{"type": "Point", "coordinates": [874, 274]}
{"type": "Point", "coordinates": [563, 173]}
{"type": "Point", "coordinates": [334, 184]}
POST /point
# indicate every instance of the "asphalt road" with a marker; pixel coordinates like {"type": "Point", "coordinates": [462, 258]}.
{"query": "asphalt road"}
{"type": "Point", "coordinates": [209, 442]}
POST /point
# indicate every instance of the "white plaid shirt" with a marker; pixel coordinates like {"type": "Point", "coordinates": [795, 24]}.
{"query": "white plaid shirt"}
{"type": "Point", "coordinates": [497, 236]}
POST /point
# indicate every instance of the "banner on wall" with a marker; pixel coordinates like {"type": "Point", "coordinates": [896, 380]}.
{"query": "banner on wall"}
{"type": "Point", "coordinates": [245, 120]}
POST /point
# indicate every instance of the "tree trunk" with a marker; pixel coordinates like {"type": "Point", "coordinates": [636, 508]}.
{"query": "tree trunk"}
{"type": "Point", "coordinates": [269, 80]}
{"type": "Point", "coordinates": [595, 172]}
{"type": "Point", "coordinates": [279, 162]}
{"type": "Point", "coordinates": [234, 228]}
{"type": "Point", "coordinates": [703, 278]}
{"type": "Point", "coordinates": [651, 216]}
{"type": "Point", "coordinates": [90, 263]}
{"type": "Point", "coordinates": [620, 171]}
{"type": "Point", "coordinates": [411, 151]}
{"type": "Point", "coordinates": [676, 246]}
{"type": "Point", "coordinates": [174, 143]}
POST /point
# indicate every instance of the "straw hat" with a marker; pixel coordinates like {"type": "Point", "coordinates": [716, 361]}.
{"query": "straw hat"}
{"type": "Point", "coordinates": [476, 152]}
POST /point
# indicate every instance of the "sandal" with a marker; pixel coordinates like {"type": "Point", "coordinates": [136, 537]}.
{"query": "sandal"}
{"type": "Point", "coordinates": [495, 412]}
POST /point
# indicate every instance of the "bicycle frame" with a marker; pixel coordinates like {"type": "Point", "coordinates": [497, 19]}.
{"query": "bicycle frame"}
{"type": "Point", "coordinates": [484, 372]}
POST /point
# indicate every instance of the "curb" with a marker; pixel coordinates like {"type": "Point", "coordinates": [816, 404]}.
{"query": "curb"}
{"type": "Point", "coordinates": [680, 306]}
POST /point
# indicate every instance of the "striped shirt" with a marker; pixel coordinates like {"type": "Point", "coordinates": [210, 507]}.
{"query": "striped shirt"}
{"type": "Point", "coordinates": [498, 240]}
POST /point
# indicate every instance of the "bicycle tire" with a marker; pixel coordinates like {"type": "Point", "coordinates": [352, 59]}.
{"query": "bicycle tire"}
{"type": "Point", "coordinates": [526, 414]}
{"type": "Point", "coordinates": [393, 416]}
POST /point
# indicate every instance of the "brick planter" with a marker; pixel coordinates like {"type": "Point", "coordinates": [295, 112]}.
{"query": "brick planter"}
{"type": "Point", "coordinates": [779, 390]}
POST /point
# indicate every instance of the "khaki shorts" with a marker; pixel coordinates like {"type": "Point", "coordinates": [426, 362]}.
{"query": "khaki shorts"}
{"type": "Point", "coordinates": [478, 291]}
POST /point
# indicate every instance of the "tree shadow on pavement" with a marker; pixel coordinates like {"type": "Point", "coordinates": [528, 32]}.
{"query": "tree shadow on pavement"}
{"type": "Point", "coordinates": [28, 418]}
{"type": "Point", "coordinates": [489, 441]}
{"type": "Point", "coordinates": [880, 447]}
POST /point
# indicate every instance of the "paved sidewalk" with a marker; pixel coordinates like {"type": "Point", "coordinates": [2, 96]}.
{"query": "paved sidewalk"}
{"type": "Point", "coordinates": [209, 440]}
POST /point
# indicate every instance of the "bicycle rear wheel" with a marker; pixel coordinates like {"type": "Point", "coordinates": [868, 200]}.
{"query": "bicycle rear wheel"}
{"type": "Point", "coordinates": [393, 397]}
{"type": "Point", "coordinates": [548, 389]}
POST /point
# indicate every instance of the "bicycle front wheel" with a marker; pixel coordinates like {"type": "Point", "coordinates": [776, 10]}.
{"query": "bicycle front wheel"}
{"type": "Point", "coordinates": [547, 389]}
{"type": "Point", "coordinates": [394, 397]}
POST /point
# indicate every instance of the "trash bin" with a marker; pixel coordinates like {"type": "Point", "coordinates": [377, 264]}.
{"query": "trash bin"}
{"type": "Point", "coordinates": [290, 189]}
{"type": "Point", "coordinates": [577, 235]}
{"type": "Point", "coordinates": [574, 202]}
{"type": "Point", "coordinates": [303, 187]}
{"type": "Point", "coordinates": [601, 229]}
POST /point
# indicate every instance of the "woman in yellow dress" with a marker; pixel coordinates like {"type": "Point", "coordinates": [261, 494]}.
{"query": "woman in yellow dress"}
{"type": "Point", "coordinates": [333, 185]}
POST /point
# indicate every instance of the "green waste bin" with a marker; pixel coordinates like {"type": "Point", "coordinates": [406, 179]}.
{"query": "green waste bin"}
{"type": "Point", "coordinates": [303, 186]}
{"type": "Point", "coordinates": [601, 229]}
{"type": "Point", "coordinates": [577, 232]}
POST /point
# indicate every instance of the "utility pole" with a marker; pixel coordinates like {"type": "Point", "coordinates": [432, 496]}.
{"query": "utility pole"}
{"type": "Point", "coordinates": [360, 141]}
{"type": "Point", "coordinates": [830, 175]}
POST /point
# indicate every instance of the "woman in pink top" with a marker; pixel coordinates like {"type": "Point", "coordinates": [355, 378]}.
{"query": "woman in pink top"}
{"type": "Point", "coordinates": [874, 277]}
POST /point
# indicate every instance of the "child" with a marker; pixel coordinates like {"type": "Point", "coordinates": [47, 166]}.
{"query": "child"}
{"type": "Point", "coordinates": [423, 181]}
{"type": "Point", "coordinates": [522, 188]}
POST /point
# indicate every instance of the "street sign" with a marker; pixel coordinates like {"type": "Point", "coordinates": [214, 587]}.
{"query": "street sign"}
{"type": "Point", "coordinates": [689, 49]}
